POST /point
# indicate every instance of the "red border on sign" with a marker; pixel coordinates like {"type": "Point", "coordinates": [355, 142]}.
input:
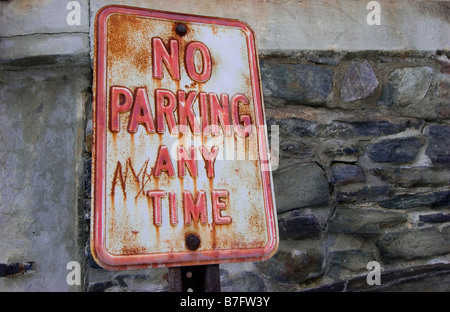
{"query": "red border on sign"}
{"type": "Point", "coordinates": [98, 248]}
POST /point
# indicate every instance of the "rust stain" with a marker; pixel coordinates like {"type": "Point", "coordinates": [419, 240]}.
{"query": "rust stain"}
{"type": "Point", "coordinates": [117, 37]}
{"type": "Point", "coordinates": [157, 83]}
{"type": "Point", "coordinates": [157, 238]}
{"type": "Point", "coordinates": [122, 45]}
{"type": "Point", "coordinates": [214, 30]}
{"type": "Point", "coordinates": [193, 85]}
{"type": "Point", "coordinates": [213, 236]}
{"type": "Point", "coordinates": [132, 250]}
{"type": "Point", "coordinates": [133, 147]}
{"type": "Point", "coordinates": [114, 140]}
{"type": "Point", "coordinates": [177, 83]}
{"type": "Point", "coordinates": [142, 61]}
{"type": "Point", "coordinates": [200, 87]}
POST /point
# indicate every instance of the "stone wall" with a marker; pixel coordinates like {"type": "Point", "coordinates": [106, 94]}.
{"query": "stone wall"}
{"type": "Point", "coordinates": [364, 121]}
{"type": "Point", "coordinates": [364, 165]}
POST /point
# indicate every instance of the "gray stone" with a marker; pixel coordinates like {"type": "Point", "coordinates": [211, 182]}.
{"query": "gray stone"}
{"type": "Point", "coordinates": [298, 227]}
{"type": "Point", "coordinates": [400, 150]}
{"type": "Point", "coordinates": [87, 177]}
{"type": "Point", "coordinates": [438, 148]}
{"type": "Point", "coordinates": [300, 83]}
{"type": "Point", "coordinates": [383, 127]}
{"type": "Point", "coordinates": [420, 278]}
{"type": "Point", "coordinates": [292, 266]}
{"type": "Point", "coordinates": [413, 244]}
{"type": "Point", "coordinates": [368, 126]}
{"type": "Point", "coordinates": [345, 173]}
{"type": "Point", "coordinates": [297, 126]}
{"type": "Point", "coordinates": [103, 286]}
{"type": "Point", "coordinates": [414, 177]}
{"type": "Point", "coordinates": [406, 86]}
{"type": "Point", "coordinates": [336, 129]}
{"type": "Point", "coordinates": [359, 81]}
{"type": "Point", "coordinates": [436, 199]}
{"type": "Point", "coordinates": [351, 260]}
{"type": "Point", "coordinates": [139, 282]}
{"type": "Point", "coordinates": [247, 282]}
{"type": "Point", "coordinates": [338, 148]}
{"type": "Point", "coordinates": [443, 61]}
{"type": "Point", "coordinates": [362, 221]}
{"type": "Point", "coordinates": [439, 217]}
{"type": "Point", "coordinates": [304, 185]}
{"type": "Point", "coordinates": [443, 87]}
{"type": "Point", "coordinates": [439, 132]}
{"type": "Point", "coordinates": [295, 149]}
{"type": "Point", "coordinates": [316, 58]}
{"type": "Point", "coordinates": [356, 193]}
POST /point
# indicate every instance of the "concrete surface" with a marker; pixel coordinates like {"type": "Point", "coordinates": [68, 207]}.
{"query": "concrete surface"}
{"type": "Point", "coordinates": [279, 25]}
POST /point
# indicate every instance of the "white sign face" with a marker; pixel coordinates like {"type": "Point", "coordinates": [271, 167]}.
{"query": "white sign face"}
{"type": "Point", "coordinates": [180, 161]}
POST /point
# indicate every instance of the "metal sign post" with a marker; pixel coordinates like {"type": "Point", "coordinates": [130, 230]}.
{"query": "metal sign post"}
{"type": "Point", "coordinates": [181, 173]}
{"type": "Point", "coordinates": [200, 278]}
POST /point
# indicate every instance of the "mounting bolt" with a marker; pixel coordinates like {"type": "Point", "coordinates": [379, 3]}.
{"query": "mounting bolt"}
{"type": "Point", "coordinates": [181, 30]}
{"type": "Point", "coordinates": [192, 241]}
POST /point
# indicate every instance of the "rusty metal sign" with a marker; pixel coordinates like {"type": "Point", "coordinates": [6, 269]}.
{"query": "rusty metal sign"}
{"type": "Point", "coordinates": [180, 169]}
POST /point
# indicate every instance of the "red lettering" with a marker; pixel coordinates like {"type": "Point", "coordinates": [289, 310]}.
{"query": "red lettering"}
{"type": "Point", "coordinates": [163, 162]}
{"type": "Point", "coordinates": [218, 205]}
{"type": "Point", "coordinates": [187, 160]}
{"type": "Point", "coordinates": [203, 101]}
{"type": "Point", "coordinates": [210, 159]}
{"type": "Point", "coordinates": [167, 110]}
{"type": "Point", "coordinates": [195, 209]}
{"type": "Point", "coordinates": [245, 128]}
{"type": "Point", "coordinates": [121, 101]}
{"type": "Point", "coordinates": [160, 55]}
{"type": "Point", "coordinates": [219, 113]}
{"type": "Point", "coordinates": [141, 113]}
{"type": "Point", "coordinates": [156, 195]}
{"type": "Point", "coordinates": [173, 208]}
{"type": "Point", "coordinates": [190, 61]}
{"type": "Point", "coordinates": [186, 112]}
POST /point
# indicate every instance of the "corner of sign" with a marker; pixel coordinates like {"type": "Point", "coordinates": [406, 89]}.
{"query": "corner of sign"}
{"type": "Point", "coordinates": [105, 11]}
{"type": "Point", "coordinates": [101, 257]}
{"type": "Point", "coordinates": [271, 248]}
{"type": "Point", "coordinates": [247, 29]}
